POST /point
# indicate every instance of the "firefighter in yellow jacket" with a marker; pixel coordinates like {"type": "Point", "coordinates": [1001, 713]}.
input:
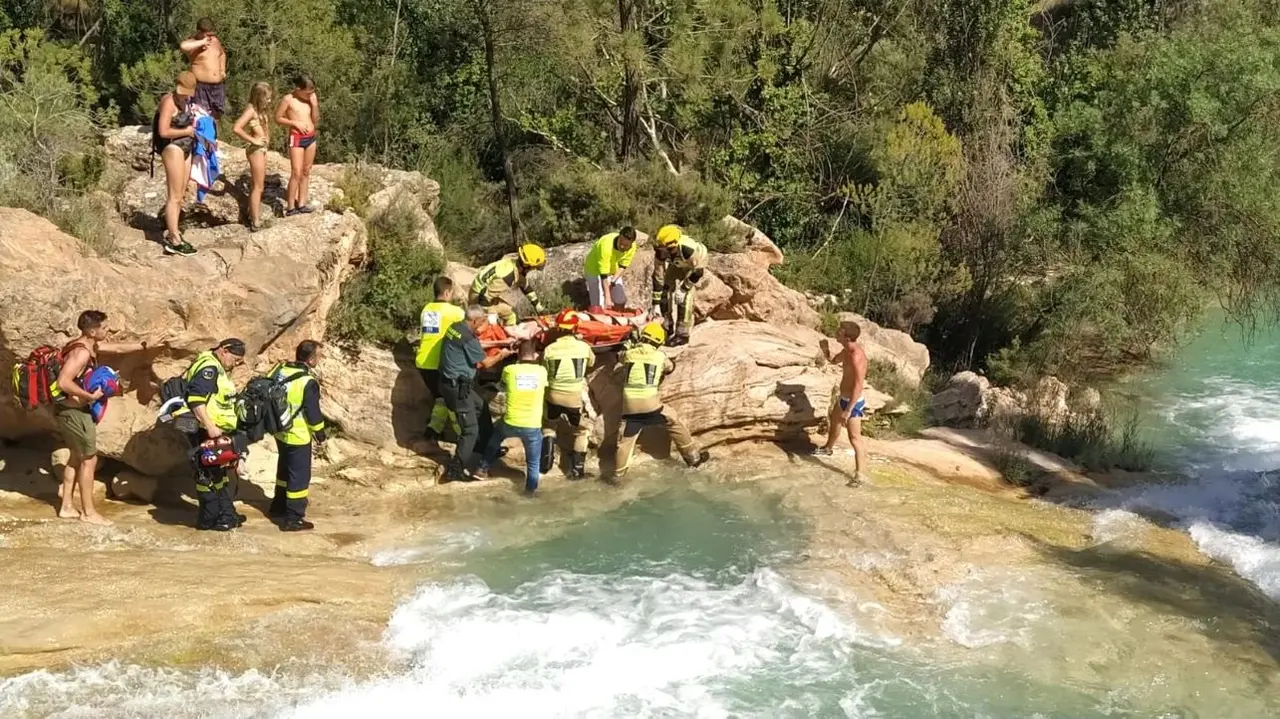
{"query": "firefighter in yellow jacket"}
{"type": "Point", "coordinates": [678, 265]}
{"type": "Point", "coordinates": [643, 366]}
{"type": "Point", "coordinates": [510, 272]}
{"type": "Point", "coordinates": [567, 359]}
{"type": "Point", "coordinates": [304, 427]}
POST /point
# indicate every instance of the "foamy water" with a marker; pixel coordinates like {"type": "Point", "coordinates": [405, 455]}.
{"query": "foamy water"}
{"type": "Point", "coordinates": [1219, 412]}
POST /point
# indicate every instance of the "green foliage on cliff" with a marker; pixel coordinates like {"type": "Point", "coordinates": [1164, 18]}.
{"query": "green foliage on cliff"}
{"type": "Point", "coordinates": [1026, 186]}
{"type": "Point", "coordinates": [381, 304]}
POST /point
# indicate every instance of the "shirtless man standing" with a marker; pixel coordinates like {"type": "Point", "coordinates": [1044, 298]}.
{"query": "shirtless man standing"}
{"type": "Point", "coordinates": [209, 64]}
{"type": "Point", "coordinates": [851, 407]}
{"type": "Point", "coordinates": [300, 112]}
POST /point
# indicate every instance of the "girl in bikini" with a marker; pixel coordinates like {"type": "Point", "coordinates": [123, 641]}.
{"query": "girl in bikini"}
{"type": "Point", "coordinates": [300, 112]}
{"type": "Point", "coordinates": [254, 127]}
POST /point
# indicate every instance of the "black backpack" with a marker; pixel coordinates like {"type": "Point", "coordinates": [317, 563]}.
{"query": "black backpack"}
{"type": "Point", "coordinates": [263, 408]}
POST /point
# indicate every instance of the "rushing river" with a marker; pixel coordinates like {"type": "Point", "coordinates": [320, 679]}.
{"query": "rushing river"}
{"type": "Point", "coordinates": [1214, 414]}
{"type": "Point", "coordinates": [682, 603]}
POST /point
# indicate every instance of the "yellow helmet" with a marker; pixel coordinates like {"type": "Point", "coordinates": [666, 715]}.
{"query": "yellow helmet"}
{"type": "Point", "coordinates": [669, 236]}
{"type": "Point", "coordinates": [532, 256]}
{"type": "Point", "coordinates": [654, 332]}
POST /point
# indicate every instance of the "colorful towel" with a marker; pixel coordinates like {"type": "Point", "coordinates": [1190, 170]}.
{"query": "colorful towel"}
{"type": "Point", "coordinates": [106, 379]}
{"type": "Point", "coordinates": [204, 162]}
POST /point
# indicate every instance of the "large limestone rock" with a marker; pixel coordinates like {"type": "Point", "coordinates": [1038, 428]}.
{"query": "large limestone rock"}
{"type": "Point", "coordinates": [970, 400]}
{"type": "Point", "coordinates": [400, 188]}
{"type": "Point", "coordinates": [374, 395]}
{"type": "Point", "coordinates": [963, 403]}
{"type": "Point", "coordinates": [738, 380]}
{"type": "Point", "coordinates": [908, 357]}
{"type": "Point", "coordinates": [272, 289]}
{"type": "Point", "coordinates": [754, 293]}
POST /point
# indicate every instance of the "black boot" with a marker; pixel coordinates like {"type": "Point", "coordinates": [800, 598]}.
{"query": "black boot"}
{"type": "Point", "coordinates": [548, 459]}
{"type": "Point", "coordinates": [297, 525]}
{"type": "Point", "coordinates": [578, 466]}
{"type": "Point", "coordinates": [699, 460]}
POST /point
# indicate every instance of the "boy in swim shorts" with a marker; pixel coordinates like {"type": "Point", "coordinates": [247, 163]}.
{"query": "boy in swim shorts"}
{"type": "Point", "coordinates": [300, 112]}
{"type": "Point", "coordinates": [851, 405]}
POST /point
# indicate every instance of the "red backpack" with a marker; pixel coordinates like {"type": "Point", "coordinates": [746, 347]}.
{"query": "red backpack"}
{"type": "Point", "coordinates": [34, 377]}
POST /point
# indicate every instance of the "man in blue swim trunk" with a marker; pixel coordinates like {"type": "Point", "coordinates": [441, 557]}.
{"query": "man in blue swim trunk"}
{"type": "Point", "coordinates": [851, 405]}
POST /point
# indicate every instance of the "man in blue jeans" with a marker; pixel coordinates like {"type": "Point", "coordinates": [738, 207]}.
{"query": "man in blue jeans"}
{"type": "Point", "coordinates": [526, 386]}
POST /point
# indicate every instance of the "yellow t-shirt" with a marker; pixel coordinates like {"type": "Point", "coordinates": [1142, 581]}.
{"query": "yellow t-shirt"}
{"type": "Point", "coordinates": [526, 386]}
{"type": "Point", "coordinates": [436, 318]}
{"type": "Point", "coordinates": [604, 259]}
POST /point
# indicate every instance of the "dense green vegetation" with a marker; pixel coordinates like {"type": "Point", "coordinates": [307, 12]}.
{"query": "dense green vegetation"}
{"type": "Point", "coordinates": [1055, 186]}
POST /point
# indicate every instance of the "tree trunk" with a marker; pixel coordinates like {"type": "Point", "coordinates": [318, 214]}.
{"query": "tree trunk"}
{"type": "Point", "coordinates": [630, 135]}
{"type": "Point", "coordinates": [495, 105]}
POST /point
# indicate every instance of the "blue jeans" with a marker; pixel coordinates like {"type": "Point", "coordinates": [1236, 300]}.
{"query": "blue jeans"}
{"type": "Point", "coordinates": [531, 438]}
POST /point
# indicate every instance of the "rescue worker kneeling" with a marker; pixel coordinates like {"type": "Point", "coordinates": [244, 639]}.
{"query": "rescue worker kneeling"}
{"type": "Point", "coordinates": [211, 396]}
{"type": "Point", "coordinates": [304, 426]}
{"type": "Point", "coordinates": [678, 265]}
{"type": "Point", "coordinates": [510, 272]}
{"type": "Point", "coordinates": [643, 367]}
{"type": "Point", "coordinates": [567, 359]}
{"type": "Point", "coordinates": [525, 382]}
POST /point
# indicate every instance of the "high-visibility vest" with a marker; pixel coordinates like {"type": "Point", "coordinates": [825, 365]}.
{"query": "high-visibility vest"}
{"type": "Point", "coordinates": [296, 381]}
{"type": "Point", "coordinates": [436, 318]}
{"type": "Point", "coordinates": [645, 364]}
{"type": "Point", "coordinates": [567, 360]}
{"type": "Point", "coordinates": [526, 386]}
{"type": "Point", "coordinates": [221, 404]}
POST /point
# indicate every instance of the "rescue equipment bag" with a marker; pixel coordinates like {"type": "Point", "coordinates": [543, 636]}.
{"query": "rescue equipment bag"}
{"type": "Point", "coordinates": [263, 408]}
{"type": "Point", "coordinates": [34, 377]}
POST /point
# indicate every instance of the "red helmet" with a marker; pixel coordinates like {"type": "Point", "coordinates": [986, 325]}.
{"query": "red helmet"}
{"type": "Point", "coordinates": [568, 320]}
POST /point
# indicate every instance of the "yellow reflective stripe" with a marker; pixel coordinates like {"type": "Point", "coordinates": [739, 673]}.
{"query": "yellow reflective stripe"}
{"type": "Point", "coordinates": [300, 494]}
{"type": "Point", "coordinates": [317, 427]}
{"type": "Point", "coordinates": [281, 483]}
{"type": "Point", "coordinates": [203, 488]}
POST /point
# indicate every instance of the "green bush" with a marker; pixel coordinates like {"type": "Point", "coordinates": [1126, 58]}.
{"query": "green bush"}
{"type": "Point", "coordinates": [382, 303]}
{"type": "Point", "coordinates": [359, 181]}
{"type": "Point", "coordinates": [86, 219]}
{"type": "Point", "coordinates": [1089, 438]}
{"type": "Point", "coordinates": [577, 201]}
{"type": "Point", "coordinates": [906, 415]}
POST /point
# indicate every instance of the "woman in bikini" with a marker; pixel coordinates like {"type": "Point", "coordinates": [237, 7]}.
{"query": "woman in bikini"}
{"type": "Point", "coordinates": [254, 127]}
{"type": "Point", "coordinates": [300, 112]}
{"type": "Point", "coordinates": [175, 133]}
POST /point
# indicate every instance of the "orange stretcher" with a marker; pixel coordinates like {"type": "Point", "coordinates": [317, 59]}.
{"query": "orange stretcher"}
{"type": "Point", "coordinates": [601, 330]}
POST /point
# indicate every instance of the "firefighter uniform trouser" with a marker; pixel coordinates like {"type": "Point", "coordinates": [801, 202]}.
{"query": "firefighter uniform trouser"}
{"type": "Point", "coordinates": [293, 480]}
{"type": "Point", "coordinates": [214, 501]}
{"type": "Point", "coordinates": [634, 424]}
{"type": "Point", "coordinates": [572, 418]}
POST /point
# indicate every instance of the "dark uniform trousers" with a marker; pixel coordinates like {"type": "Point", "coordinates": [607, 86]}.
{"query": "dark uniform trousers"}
{"type": "Point", "coordinates": [214, 500]}
{"type": "Point", "coordinates": [293, 481]}
{"type": "Point", "coordinates": [474, 421]}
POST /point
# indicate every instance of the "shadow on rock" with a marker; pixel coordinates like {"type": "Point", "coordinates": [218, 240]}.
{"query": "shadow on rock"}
{"type": "Point", "coordinates": [1240, 611]}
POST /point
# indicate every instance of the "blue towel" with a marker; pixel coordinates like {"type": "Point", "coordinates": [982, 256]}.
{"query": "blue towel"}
{"type": "Point", "coordinates": [204, 163]}
{"type": "Point", "coordinates": [106, 379]}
